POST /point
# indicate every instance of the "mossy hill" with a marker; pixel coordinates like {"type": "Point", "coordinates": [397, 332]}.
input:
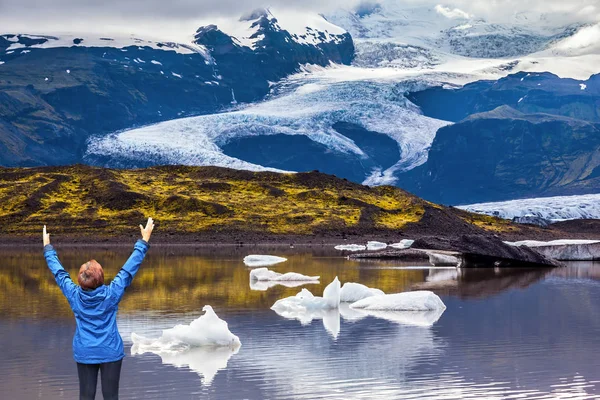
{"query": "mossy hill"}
{"type": "Point", "coordinates": [81, 201]}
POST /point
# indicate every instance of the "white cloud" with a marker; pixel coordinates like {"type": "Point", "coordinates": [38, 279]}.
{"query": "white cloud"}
{"type": "Point", "coordinates": [452, 13]}
{"type": "Point", "coordinates": [159, 17]}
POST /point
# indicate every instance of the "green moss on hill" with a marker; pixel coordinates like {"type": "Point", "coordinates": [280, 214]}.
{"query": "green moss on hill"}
{"type": "Point", "coordinates": [84, 200]}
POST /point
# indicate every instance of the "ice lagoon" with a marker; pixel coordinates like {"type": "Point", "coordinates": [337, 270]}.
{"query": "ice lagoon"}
{"type": "Point", "coordinates": [504, 334]}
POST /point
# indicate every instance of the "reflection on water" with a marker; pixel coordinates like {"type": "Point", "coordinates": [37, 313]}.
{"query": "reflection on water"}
{"type": "Point", "coordinates": [505, 334]}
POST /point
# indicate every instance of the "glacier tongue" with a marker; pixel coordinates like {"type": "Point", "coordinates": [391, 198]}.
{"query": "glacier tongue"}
{"type": "Point", "coordinates": [559, 208]}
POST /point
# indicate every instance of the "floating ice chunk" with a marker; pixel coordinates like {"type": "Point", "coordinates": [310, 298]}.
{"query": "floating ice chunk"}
{"type": "Point", "coordinates": [351, 247]}
{"type": "Point", "coordinates": [266, 285]}
{"type": "Point", "coordinates": [373, 245]}
{"type": "Point", "coordinates": [1, 62]}
{"type": "Point", "coordinates": [176, 75]}
{"type": "Point", "coordinates": [259, 260]}
{"type": "Point", "coordinates": [68, 71]}
{"type": "Point", "coordinates": [403, 244]}
{"type": "Point", "coordinates": [583, 86]}
{"type": "Point", "coordinates": [207, 330]}
{"type": "Point", "coordinates": [352, 292]}
{"type": "Point", "coordinates": [205, 361]}
{"type": "Point", "coordinates": [305, 300]}
{"type": "Point", "coordinates": [438, 259]}
{"type": "Point", "coordinates": [156, 62]}
{"type": "Point", "coordinates": [414, 318]}
{"type": "Point", "coordinates": [331, 294]}
{"type": "Point", "coordinates": [264, 274]}
{"type": "Point", "coordinates": [408, 301]}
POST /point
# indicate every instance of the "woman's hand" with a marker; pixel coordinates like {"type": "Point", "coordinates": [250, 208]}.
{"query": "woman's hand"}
{"type": "Point", "coordinates": [46, 237]}
{"type": "Point", "coordinates": [146, 232]}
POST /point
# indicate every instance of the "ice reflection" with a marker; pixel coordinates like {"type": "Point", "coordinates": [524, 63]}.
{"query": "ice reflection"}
{"type": "Point", "coordinates": [330, 317]}
{"type": "Point", "coordinates": [266, 285]}
{"type": "Point", "coordinates": [205, 361]}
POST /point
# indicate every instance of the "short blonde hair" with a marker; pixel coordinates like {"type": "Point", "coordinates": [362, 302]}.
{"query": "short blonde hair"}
{"type": "Point", "coordinates": [91, 275]}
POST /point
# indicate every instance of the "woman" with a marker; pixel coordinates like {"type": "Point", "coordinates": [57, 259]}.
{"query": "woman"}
{"type": "Point", "coordinates": [97, 345]}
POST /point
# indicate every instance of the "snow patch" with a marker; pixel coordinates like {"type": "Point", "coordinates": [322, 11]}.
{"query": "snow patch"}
{"type": "Point", "coordinates": [452, 13]}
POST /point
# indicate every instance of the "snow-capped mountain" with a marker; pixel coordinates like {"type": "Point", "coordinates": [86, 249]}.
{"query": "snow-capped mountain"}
{"type": "Point", "coordinates": [57, 90]}
{"type": "Point", "coordinates": [290, 91]}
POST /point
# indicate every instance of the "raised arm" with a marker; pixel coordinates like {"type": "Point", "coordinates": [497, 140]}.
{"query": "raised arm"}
{"type": "Point", "coordinates": [131, 267]}
{"type": "Point", "coordinates": [62, 277]}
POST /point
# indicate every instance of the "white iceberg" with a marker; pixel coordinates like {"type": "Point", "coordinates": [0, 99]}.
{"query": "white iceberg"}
{"type": "Point", "coordinates": [266, 285]}
{"type": "Point", "coordinates": [351, 247]}
{"type": "Point", "coordinates": [305, 300]}
{"type": "Point", "coordinates": [403, 244]}
{"type": "Point", "coordinates": [264, 274]}
{"type": "Point", "coordinates": [352, 292]}
{"type": "Point", "coordinates": [409, 301]}
{"type": "Point", "coordinates": [439, 259]}
{"type": "Point", "coordinates": [374, 245]}
{"type": "Point", "coordinates": [259, 260]}
{"type": "Point", "coordinates": [205, 361]}
{"type": "Point", "coordinates": [207, 330]}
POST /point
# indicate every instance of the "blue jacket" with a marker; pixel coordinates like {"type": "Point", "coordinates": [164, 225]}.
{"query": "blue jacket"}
{"type": "Point", "coordinates": [97, 339]}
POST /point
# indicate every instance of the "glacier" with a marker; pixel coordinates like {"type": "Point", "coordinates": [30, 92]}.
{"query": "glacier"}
{"type": "Point", "coordinates": [398, 49]}
{"type": "Point", "coordinates": [554, 209]}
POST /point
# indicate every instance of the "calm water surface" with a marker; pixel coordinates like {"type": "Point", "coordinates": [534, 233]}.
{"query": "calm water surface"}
{"type": "Point", "coordinates": [505, 334]}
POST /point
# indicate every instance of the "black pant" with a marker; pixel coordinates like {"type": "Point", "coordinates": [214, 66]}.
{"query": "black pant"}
{"type": "Point", "coordinates": [88, 379]}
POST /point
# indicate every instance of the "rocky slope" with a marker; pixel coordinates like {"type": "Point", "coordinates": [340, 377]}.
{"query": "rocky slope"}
{"type": "Point", "coordinates": [527, 135]}
{"type": "Point", "coordinates": [209, 203]}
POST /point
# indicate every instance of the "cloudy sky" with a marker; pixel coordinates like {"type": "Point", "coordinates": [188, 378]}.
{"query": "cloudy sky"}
{"type": "Point", "coordinates": [146, 16]}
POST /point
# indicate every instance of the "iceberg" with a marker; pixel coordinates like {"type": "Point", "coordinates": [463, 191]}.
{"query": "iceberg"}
{"type": "Point", "coordinates": [305, 300]}
{"type": "Point", "coordinates": [351, 247]}
{"type": "Point", "coordinates": [259, 260]}
{"type": "Point", "coordinates": [409, 301]}
{"type": "Point", "coordinates": [264, 274]}
{"type": "Point", "coordinates": [207, 330]}
{"type": "Point", "coordinates": [352, 292]}
{"type": "Point", "coordinates": [374, 245]}
{"type": "Point", "coordinates": [403, 244]}
{"type": "Point", "coordinates": [439, 259]}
